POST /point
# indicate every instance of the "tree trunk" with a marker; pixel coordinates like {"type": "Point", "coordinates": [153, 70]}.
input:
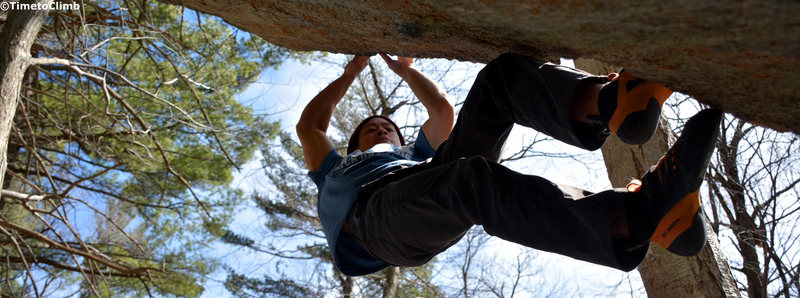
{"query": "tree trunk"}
{"type": "Point", "coordinates": [16, 38]}
{"type": "Point", "coordinates": [347, 285]}
{"type": "Point", "coordinates": [664, 274]}
{"type": "Point", "coordinates": [391, 276]}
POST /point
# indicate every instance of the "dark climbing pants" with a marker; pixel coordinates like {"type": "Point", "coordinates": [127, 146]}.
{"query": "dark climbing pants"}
{"type": "Point", "coordinates": [409, 216]}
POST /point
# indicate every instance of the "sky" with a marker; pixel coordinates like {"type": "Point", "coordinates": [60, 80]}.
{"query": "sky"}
{"type": "Point", "coordinates": [283, 93]}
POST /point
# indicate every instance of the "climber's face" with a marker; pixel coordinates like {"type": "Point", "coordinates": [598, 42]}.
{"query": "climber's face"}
{"type": "Point", "coordinates": [377, 130]}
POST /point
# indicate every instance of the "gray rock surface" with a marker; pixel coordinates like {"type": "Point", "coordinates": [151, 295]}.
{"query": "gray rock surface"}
{"type": "Point", "coordinates": [741, 56]}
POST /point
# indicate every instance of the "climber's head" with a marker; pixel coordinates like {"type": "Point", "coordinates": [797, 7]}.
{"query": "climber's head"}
{"type": "Point", "coordinates": [374, 130]}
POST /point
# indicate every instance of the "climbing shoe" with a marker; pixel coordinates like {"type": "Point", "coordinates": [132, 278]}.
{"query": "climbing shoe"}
{"type": "Point", "coordinates": [630, 107]}
{"type": "Point", "coordinates": [669, 190]}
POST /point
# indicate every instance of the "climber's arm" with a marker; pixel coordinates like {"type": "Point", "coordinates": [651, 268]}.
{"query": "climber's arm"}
{"type": "Point", "coordinates": [313, 124]}
{"type": "Point", "coordinates": [440, 112]}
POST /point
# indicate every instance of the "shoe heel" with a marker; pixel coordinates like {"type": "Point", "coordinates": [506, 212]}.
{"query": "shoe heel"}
{"type": "Point", "coordinates": [638, 107]}
{"type": "Point", "coordinates": [638, 127]}
{"type": "Point", "coordinates": [692, 241]}
{"type": "Point", "coordinates": [678, 220]}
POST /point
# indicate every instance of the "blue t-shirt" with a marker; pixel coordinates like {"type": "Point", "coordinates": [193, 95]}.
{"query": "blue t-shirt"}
{"type": "Point", "coordinates": [339, 179]}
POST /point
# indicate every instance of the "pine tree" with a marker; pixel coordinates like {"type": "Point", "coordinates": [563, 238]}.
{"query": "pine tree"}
{"type": "Point", "coordinates": [122, 150]}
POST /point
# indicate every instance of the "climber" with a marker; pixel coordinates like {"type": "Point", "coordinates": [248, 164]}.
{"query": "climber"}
{"type": "Point", "coordinates": [384, 204]}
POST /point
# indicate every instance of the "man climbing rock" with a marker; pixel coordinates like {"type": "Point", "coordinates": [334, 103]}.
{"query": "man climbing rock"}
{"type": "Point", "coordinates": [382, 204]}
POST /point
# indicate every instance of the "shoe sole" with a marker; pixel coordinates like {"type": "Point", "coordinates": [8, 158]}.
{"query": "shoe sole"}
{"type": "Point", "coordinates": [638, 107]}
{"type": "Point", "coordinates": [676, 223]}
{"type": "Point", "coordinates": [682, 229]}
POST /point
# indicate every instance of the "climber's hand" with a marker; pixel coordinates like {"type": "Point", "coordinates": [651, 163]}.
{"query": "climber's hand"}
{"type": "Point", "coordinates": [399, 66]}
{"type": "Point", "coordinates": [355, 66]}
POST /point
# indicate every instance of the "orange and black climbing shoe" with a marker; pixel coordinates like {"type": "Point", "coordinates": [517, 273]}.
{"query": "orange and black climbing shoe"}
{"type": "Point", "coordinates": [630, 107]}
{"type": "Point", "coordinates": [670, 189]}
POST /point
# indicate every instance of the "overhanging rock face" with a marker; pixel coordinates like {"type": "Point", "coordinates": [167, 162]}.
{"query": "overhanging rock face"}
{"type": "Point", "coordinates": [741, 56]}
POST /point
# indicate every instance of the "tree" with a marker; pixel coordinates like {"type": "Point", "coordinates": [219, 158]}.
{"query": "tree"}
{"type": "Point", "coordinates": [16, 37]}
{"type": "Point", "coordinates": [477, 270]}
{"type": "Point", "coordinates": [754, 182]}
{"type": "Point", "coordinates": [122, 148]}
